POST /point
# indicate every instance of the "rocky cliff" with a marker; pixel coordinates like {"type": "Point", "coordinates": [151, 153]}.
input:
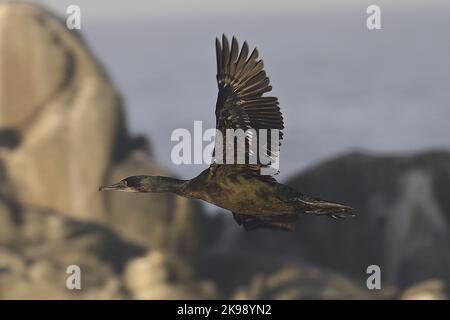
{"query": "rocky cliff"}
{"type": "Point", "coordinates": [62, 135]}
{"type": "Point", "coordinates": [402, 223]}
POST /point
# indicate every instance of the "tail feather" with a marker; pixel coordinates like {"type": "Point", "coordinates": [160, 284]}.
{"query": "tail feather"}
{"type": "Point", "coordinates": [332, 209]}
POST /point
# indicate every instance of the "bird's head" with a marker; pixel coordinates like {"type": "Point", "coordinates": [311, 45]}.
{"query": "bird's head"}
{"type": "Point", "coordinates": [134, 184]}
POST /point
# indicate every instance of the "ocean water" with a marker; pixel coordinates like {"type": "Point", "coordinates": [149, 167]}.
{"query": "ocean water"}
{"type": "Point", "coordinates": [341, 87]}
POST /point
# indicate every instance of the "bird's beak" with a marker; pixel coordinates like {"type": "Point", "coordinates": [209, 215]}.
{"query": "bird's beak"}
{"type": "Point", "coordinates": [116, 186]}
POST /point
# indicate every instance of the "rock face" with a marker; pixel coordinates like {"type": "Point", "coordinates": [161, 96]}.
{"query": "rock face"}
{"type": "Point", "coordinates": [70, 134]}
{"type": "Point", "coordinates": [432, 289]}
{"type": "Point", "coordinates": [299, 283]}
{"type": "Point", "coordinates": [62, 135]}
{"type": "Point", "coordinates": [42, 244]}
{"type": "Point", "coordinates": [404, 216]}
{"type": "Point", "coordinates": [62, 107]}
{"type": "Point", "coordinates": [403, 222]}
{"type": "Point", "coordinates": [162, 276]}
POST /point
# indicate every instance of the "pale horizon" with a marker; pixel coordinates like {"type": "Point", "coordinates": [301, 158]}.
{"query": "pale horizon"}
{"type": "Point", "coordinates": [103, 9]}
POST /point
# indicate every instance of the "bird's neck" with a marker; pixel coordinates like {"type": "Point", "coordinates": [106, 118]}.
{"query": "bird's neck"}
{"type": "Point", "coordinates": [167, 184]}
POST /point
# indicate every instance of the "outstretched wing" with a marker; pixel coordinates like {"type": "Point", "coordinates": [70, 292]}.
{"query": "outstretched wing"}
{"type": "Point", "coordinates": [242, 82]}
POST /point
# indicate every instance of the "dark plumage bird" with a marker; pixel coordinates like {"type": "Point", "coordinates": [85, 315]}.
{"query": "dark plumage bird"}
{"type": "Point", "coordinates": [256, 201]}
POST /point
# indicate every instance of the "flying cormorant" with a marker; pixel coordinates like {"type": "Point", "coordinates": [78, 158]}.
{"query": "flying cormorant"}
{"type": "Point", "coordinates": [256, 201]}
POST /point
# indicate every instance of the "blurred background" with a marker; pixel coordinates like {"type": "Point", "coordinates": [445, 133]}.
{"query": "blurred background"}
{"type": "Point", "coordinates": [366, 123]}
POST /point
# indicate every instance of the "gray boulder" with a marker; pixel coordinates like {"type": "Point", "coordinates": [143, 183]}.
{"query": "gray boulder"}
{"type": "Point", "coordinates": [403, 222]}
{"type": "Point", "coordinates": [70, 135]}
{"type": "Point", "coordinates": [62, 135]}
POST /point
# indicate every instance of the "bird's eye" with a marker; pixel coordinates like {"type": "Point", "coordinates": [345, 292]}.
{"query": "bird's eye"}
{"type": "Point", "coordinates": [125, 182]}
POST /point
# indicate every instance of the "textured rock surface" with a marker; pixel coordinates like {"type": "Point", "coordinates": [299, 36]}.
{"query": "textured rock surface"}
{"type": "Point", "coordinates": [302, 283]}
{"type": "Point", "coordinates": [162, 276]}
{"type": "Point", "coordinates": [63, 107]}
{"type": "Point", "coordinates": [403, 222]}
{"type": "Point", "coordinates": [70, 121]}
{"type": "Point", "coordinates": [432, 289]}
{"type": "Point", "coordinates": [404, 215]}
{"type": "Point", "coordinates": [33, 264]}
{"type": "Point", "coordinates": [62, 135]}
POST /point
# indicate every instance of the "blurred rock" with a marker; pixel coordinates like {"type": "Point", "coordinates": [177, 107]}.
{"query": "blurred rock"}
{"type": "Point", "coordinates": [45, 279]}
{"type": "Point", "coordinates": [163, 276]}
{"type": "Point", "coordinates": [432, 289]}
{"type": "Point", "coordinates": [66, 112]}
{"type": "Point", "coordinates": [66, 120]}
{"type": "Point", "coordinates": [62, 135]}
{"type": "Point", "coordinates": [35, 256]}
{"type": "Point", "coordinates": [402, 224]}
{"type": "Point", "coordinates": [295, 283]}
{"type": "Point", "coordinates": [8, 229]}
{"type": "Point", "coordinates": [33, 265]}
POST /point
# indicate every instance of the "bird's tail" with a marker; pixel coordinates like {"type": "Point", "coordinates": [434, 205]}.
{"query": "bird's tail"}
{"type": "Point", "coordinates": [310, 205]}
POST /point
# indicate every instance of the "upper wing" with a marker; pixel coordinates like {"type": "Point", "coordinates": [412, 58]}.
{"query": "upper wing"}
{"type": "Point", "coordinates": [242, 82]}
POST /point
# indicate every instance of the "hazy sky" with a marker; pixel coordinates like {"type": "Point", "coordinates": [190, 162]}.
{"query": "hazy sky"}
{"type": "Point", "coordinates": [162, 8]}
{"type": "Point", "coordinates": [341, 86]}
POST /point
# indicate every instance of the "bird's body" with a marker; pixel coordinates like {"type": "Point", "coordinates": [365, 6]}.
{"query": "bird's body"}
{"type": "Point", "coordinates": [231, 188]}
{"type": "Point", "coordinates": [256, 200]}
{"type": "Point", "coordinates": [241, 193]}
